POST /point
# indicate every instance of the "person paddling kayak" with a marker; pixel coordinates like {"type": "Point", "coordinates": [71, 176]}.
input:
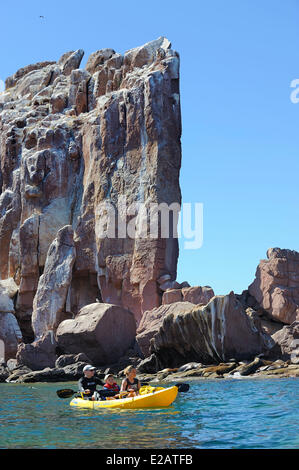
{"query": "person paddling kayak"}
{"type": "Point", "coordinates": [88, 383]}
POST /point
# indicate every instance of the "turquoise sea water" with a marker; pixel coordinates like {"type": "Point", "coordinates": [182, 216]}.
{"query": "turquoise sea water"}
{"type": "Point", "coordinates": [219, 414]}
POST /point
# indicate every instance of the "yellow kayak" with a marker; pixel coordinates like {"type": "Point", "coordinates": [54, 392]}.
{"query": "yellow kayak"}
{"type": "Point", "coordinates": [155, 399]}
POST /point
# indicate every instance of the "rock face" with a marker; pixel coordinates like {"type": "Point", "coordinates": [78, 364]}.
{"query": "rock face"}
{"type": "Point", "coordinates": [72, 142]}
{"type": "Point", "coordinates": [198, 294]}
{"type": "Point", "coordinates": [195, 295]}
{"type": "Point", "coordinates": [8, 290]}
{"type": "Point", "coordinates": [39, 354]}
{"type": "Point", "coordinates": [50, 298]}
{"type": "Point", "coordinates": [153, 319]}
{"type": "Point", "coordinates": [214, 333]}
{"type": "Point", "coordinates": [10, 333]}
{"type": "Point", "coordinates": [288, 340]}
{"type": "Point", "coordinates": [103, 332]}
{"type": "Point", "coordinates": [276, 285]}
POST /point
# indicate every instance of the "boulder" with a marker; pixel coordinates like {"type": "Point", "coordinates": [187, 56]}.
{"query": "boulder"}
{"type": "Point", "coordinates": [97, 59]}
{"type": "Point", "coordinates": [146, 54]}
{"type": "Point", "coordinates": [72, 62]}
{"type": "Point", "coordinates": [9, 287]}
{"type": "Point", "coordinates": [198, 294]}
{"type": "Point", "coordinates": [288, 341]}
{"type": "Point", "coordinates": [39, 354]}
{"type": "Point", "coordinates": [11, 364]}
{"type": "Point", "coordinates": [10, 335]}
{"type": "Point", "coordinates": [171, 296]}
{"type": "Point", "coordinates": [11, 81]}
{"type": "Point", "coordinates": [276, 285]}
{"type": "Point", "coordinates": [68, 359]}
{"type": "Point", "coordinates": [102, 331]}
{"type": "Point", "coordinates": [4, 373]}
{"type": "Point", "coordinates": [152, 320]}
{"type": "Point", "coordinates": [8, 290]}
{"type": "Point", "coordinates": [209, 334]}
{"type": "Point", "coordinates": [149, 365]}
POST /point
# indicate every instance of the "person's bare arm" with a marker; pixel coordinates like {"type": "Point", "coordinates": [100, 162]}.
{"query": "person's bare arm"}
{"type": "Point", "coordinates": [123, 385]}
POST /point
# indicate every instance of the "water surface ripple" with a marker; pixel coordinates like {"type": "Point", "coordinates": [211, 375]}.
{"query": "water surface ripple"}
{"type": "Point", "coordinates": [219, 414]}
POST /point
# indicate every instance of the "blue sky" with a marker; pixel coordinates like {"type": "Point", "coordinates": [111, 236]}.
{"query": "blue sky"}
{"type": "Point", "coordinates": [240, 129]}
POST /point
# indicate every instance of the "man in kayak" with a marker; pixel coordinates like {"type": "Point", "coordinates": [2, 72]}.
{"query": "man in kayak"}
{"type": "Point", "coordinates": [88, 383]}
{"type": "Point", "coordinates": [130, 383]}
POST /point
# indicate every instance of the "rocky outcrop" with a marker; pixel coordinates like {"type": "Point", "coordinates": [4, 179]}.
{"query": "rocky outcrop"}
{"type": "Point", "coordinates": [195, 295]}
{"type": "Point", "coordinates": [198, 294]}
{"type": "Point", "coordinates": [84, 155]}
{"type": "Point", "coordinates": [276, 285]}
{"type": "Point", "coordinates": [50, 299]}
{"type": "Point", "coordinates": [10, 333]}
{"type": "Point", "coordinates": [8, 290]}
{"type": "Point", "coordinates": [39, 354]}
{"type": "Point", "coordinates": [103, 332]}
{"type": "Point", "coordinates": [152, 320]}
{"type": "Point", "coordinates": [214, 333]}
{"type": "Point", "coordinates": [288, 340]}
{"type": "Point", "coordinates": [72, 140]}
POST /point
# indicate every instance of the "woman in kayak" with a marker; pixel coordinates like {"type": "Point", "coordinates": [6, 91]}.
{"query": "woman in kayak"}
{"type": "Point", "coordinates": [130, 383]}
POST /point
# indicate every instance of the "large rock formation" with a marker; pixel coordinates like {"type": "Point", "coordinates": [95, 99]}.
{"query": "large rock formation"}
{"type": "Point", "coordinates": [152, 320]}
{"type": "Point", "coordinates": [50, 299]}
{"type": "Point", "coordinates": [10, 333]}
{"type": "Point", "coordinates": [276, 285]}
{"type": "Point", "coordinates": [216, 332]}
{"type": "Point", "coordinates": [288, 340]}
{"type": "Point", "coordinates": [39, 354]}
{"type": "Point", "coordinates": [74, 144]}
{"type": "Point", "coordinates": [103, 332]}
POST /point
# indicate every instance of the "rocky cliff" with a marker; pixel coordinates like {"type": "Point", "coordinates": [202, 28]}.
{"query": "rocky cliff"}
{"type": "Point", "coordinates": [72, 139]}
{"type": "Point", "coordinates": [85, 153]}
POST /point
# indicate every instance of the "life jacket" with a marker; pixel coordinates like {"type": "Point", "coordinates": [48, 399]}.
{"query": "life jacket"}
{"type": "Point", "coordinates": [114, 387]}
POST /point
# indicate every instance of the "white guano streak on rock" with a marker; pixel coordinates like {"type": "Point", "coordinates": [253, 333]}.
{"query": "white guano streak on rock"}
{"type": "Point", "coordinates": [198, 316]}
{"type": "Point", "coordinates": [221, 312]}
{"type": "Point", "coordinates": [214, 312]}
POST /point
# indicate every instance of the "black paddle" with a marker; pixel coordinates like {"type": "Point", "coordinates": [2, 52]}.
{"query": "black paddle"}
{"type": "Point", "coordinates": [66, 393]}
{"type": "Point", "coordinates": [182, 387]}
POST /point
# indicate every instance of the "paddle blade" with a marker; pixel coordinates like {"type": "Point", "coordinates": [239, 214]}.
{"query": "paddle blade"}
{"type": "Point", "coordinates": [65, 393]}
{"type": "Point", "coordinates": [183, 387]}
